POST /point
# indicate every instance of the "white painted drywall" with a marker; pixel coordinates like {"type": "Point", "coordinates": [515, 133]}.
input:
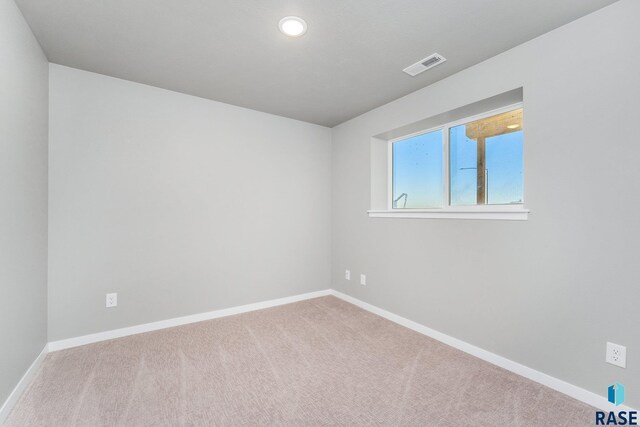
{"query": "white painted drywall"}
{"type": "Point", "coordinates": [548, 292]}
{"type": "Point", "coordinates": [179, 204]}
{"type": "Point", "coordinates": [23, 197]}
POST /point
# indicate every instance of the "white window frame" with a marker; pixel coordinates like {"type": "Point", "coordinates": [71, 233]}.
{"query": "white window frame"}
{"type": "Point", "coordinates": [506, 212]}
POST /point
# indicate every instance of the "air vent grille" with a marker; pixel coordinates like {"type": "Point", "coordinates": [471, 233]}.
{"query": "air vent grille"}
{"type": "Point", "coordinates": [424, 64]}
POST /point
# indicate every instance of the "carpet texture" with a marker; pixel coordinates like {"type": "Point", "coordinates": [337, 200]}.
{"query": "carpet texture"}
{"type": "Point", "coordinates": [317, 362]}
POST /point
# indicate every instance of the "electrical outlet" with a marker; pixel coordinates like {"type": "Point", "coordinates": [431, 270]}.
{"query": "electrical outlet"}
{"type": "Point", "coordinates": [617, 354]}
{"type": "Point", "coordinates": [112, 300]}
{"type": "Point", "coordinates": [363, 280]}
{"type": "Point", "coordinates": [347, 274]}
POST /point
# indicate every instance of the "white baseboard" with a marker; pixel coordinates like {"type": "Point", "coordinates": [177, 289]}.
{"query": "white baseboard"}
{"type": "Point", "coordinates": [22, 385]}
{"type": "Point", "coordinates": [178, 321]}
{"type": "Point", "coordinates": [571, 390]}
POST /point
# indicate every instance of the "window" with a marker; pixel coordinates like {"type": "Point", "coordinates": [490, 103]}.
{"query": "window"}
{"type": "Point", "coordinates": [471, 165]}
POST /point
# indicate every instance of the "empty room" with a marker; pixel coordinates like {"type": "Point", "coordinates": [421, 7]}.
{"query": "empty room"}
{"type": "Point", "coordinates": [319, 213]}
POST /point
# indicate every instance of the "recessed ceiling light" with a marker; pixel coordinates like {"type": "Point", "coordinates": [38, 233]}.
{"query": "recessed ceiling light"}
{"type": "Point", "coordinates": [513, 126]}
{"type": "Point", "coordinates": [292, 26]}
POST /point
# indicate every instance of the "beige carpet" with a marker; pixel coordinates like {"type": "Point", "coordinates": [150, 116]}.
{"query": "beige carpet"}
{"type": "Point", "coordinates": [316, 362]}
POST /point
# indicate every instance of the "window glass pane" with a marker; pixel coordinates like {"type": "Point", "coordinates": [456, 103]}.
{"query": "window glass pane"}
{"type": "Point", "coordinates": [486, 161]}
{"type": "Point", "coordinates": [417, 171]}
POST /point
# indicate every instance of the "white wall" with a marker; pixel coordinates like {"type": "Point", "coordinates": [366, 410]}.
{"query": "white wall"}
{"type": "Point", "coordinates": [179, 204]}
{"type": "Point", "coordinates": [548, 292]}
{"type": "Point", "coordinates": [23, 197]}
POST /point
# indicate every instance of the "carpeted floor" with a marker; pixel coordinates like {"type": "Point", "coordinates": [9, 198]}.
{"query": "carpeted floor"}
{"type": "Point", "coordinates": [316, 362]}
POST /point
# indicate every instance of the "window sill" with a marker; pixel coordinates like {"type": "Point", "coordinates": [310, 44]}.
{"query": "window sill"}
{"type": "Point", "coordinates": [494, 213]}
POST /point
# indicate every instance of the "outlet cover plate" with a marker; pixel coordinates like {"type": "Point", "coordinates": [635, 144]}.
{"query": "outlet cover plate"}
{"type": "Point", "coordinates": [112, 300]}
{"type": "Point", "coordinates": [363, 280]}
{"type": "Point", "coordinates": [616, 355]}
{"type": "Point", "coordinates": [347, 274]}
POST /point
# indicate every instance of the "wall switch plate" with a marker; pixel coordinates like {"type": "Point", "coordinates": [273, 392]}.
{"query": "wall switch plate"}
{"type": "Point", "coordinates": [112, 300]}
{"type": "Point", "coordinates": [363, 280]}
{"type": "Point", "coordinates": [347, 274]}
{"type": "Point", "coordinates": [617, 354]}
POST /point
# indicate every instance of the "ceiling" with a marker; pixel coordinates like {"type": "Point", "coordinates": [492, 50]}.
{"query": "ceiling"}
{"type": "Point", "coordinates": [349, 61]}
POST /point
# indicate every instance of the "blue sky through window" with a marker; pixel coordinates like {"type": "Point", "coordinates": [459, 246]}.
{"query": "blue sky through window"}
{"type": "Point", "coordinates": [503, 168]}
{"type": "Point", "coordinates": [417, 171]}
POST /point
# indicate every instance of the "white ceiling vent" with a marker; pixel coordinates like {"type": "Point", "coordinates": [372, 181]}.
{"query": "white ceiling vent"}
{"type": "Point", "coordinates": [424, 64]}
